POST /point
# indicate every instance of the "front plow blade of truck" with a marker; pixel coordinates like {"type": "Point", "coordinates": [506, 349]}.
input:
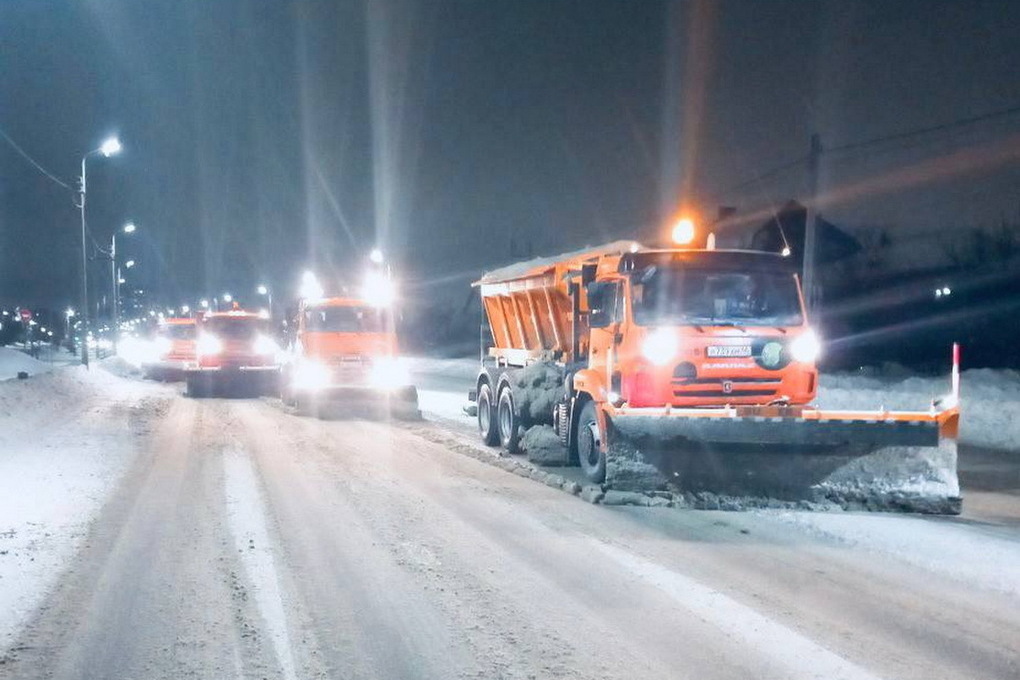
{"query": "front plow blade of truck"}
{"type": "Point", "coordinates": [861, 460]}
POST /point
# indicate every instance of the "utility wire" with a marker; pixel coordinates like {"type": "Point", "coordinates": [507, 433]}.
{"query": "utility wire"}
{"type": "Point", "coordinates": [853, 146]}
{"type": "Point", "coordinates": [960, 122]}
{"type": "Point", "coordinates": [34, 163]}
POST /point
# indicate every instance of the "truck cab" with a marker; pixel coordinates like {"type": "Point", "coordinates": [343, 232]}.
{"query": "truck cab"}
{"type": "Point", "coordinates": [233, 350]}
{"type": "Point", "coordinates": [172, 349]}
{"type": "Point", "coordinates": [697, 328]}
{"type": "Point", "coordinates": [345, 348]}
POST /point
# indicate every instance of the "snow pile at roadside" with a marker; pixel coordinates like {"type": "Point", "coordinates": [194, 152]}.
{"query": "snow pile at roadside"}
{"type": "Point", "coordinates": [66, 438]}
{"type": "Point", "coordinates": [12, 361]}
{"type": "Point", "coordinates": [989, 400]}
{"type": "Point", "coordinates": [983, 559]}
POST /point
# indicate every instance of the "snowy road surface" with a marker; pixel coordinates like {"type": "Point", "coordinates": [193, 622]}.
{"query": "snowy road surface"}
{"type": "Point", "coordinates": [234, 539]}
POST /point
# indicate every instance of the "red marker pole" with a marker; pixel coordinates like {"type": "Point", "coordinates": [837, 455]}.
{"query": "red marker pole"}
{"type": "Point", "coordinates": [956, 371]}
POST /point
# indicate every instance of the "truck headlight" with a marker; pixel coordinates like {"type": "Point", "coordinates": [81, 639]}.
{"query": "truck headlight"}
{"type": "Point", "coordinates": [389, 373]}
{"type": "Point", "coordinates": [161, 346]}
{"type": "Point", "coordinates": [266, 345]}
{"type": "Point", "coordinates": [660, 346]}
{"type": "Point", "coordinates": [207, 345]}
{"type": "Point", "coordinates": [310, 375]}
{"type": "Point", "coordinates": [806, 348]}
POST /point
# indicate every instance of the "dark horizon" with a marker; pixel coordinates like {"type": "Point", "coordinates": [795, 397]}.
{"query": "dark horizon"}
{"type": "Point", "coordinates": [262, 140]}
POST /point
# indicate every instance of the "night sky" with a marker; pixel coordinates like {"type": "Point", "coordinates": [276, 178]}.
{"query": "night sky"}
{"type": "Point", "coordinates": [265, 137]}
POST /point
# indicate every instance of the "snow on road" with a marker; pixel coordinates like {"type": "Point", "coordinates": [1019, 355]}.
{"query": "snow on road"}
{"type": "Point", "coordinates": [66, 437]}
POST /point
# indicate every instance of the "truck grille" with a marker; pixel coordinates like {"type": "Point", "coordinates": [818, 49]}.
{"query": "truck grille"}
{"type": "Point", "coordinates": [726, 387]}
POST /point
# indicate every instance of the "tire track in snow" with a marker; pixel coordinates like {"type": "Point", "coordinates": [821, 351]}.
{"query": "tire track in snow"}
{"type": "Point", "coordinates": [799, 656]}
{"type": "Point", "coordinates": [247, 521]}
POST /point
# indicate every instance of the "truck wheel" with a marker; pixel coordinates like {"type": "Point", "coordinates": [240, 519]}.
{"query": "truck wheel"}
{"type": "Point", "coordinates": [589, 439]}
{"type": "Point", "coordinates": [487, 416]}
{"type": "Point", "coordinates": [196, 387]}
{"type": "Point", "coordinates": [508, 422]}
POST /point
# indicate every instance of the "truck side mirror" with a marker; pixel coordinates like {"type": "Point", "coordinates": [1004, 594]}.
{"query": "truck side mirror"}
{"type": "Point", "coordinates": [588, 274]}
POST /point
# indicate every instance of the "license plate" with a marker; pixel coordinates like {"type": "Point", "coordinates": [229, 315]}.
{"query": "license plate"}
{"type": "Point", "coordinates": [729, 351]}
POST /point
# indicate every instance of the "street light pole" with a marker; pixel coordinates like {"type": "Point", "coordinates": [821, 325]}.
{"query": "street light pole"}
{"type": "Point", "coordinates": [84, 273]}
{"type": "Point", "coordinates": [109, 148]}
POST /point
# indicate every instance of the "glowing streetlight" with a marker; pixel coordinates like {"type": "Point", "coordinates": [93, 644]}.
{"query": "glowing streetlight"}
{"type": "Point", "coordinates": [227, 297]}
{"type": "Point", "coordinates": [204, 304]}
{"type": "Point", "coordinates": [110, 147]}
{"type": "Point", "coordinates": [129, 228]}
{"type": "Point", "coordinates": [310, 286]}
{"type": "Point", "coordinates": [376, 256]}
{"type": "Point", "coordinates": [129, 264]}
{"type": "Point", "coordinates": [264, 290]}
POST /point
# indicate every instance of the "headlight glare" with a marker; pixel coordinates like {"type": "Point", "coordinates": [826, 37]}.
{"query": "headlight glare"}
{"type": "Point", "coordinates": [806, 348]}
{"type": "Point", "coordinates": [660, 347]}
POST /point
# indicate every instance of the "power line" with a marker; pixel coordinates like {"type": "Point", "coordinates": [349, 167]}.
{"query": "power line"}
{"type": "Point", "coordinates": [34, 163]}
{"type": "Point", "coordinates": [853, 146]}
{"type": "Point", "coordinates": [960, 122]}
{"type": "Point", "coordinates": [768, 173]}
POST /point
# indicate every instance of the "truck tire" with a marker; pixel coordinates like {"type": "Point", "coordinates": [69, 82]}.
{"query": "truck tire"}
{"type": "Point", "coordinates": [197, 386]}
{"type": "Point", "coordinates": [589, 452]}
{"type": "Point", "coordinates": [508, 422]}
{"type": "Point", "coordinates": [487, 416]}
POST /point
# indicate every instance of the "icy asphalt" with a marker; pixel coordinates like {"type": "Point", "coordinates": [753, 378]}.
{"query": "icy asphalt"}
{"type": "Point", "coordinates": [147, 535]}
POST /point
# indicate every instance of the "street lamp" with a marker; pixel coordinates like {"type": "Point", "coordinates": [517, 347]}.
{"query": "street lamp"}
{"type": "Point", "coordinates": [110, 147]}
{"type": "Point", "coordinates": [128, 228]}
{"type": "Point", "coordinates": [264, 290]}
{"type": "Point", "coordinates": [204, 304]}
{"type": "Point", "coordinates": [227, 297]}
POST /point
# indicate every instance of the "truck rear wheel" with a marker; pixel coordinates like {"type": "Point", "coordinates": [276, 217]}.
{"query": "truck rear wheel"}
{"type": "Point", "coordinates": [589, 450]}
{"type": "Point", "coordinates": [487, 416]}
{"type": "Point", "coordinates": [509, 423]}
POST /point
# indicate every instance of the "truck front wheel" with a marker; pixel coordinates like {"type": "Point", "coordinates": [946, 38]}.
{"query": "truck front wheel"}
{"type": "Point", "coordinates": [487, 416]}
{"type": "Point", "coordinates": [589, 450]}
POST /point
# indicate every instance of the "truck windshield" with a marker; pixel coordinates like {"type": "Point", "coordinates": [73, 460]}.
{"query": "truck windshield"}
{"type": "Point", "coordinates": [346, 320]}
{"type": "Point", "coordinates": [179, 331]}
{"type": "Point", "coordinates": [237, 328]}
{"type": "Point", "coordinates": [691, 296]}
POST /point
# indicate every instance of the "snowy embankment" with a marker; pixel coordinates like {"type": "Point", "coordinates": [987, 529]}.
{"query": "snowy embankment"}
{"type": "Point", "coordinates": [13, 362]}
{"type": "Point", "coordinates": [66, 438]}
{"type": "Point", "coordinates": [989, 400]}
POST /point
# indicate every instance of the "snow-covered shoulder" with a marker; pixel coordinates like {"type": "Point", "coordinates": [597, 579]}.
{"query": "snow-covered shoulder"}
{"type": "Point", "coordinates": [13, 362]}
{"type": "Point", "coordinates": [66, 439]}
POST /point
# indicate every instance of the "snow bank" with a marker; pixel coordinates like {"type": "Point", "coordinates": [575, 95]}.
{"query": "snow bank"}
{"type": "Point", "coordinates": [66, 438]}
{"type": "Point", "coordinates": [989, 400]}
{"type": "Point", "coordinates": [543, 446]}
{"type": "Point", "coordinates": [12, 361]}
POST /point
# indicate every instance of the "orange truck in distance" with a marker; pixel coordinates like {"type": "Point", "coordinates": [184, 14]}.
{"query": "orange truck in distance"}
{"type": "Point", "coordinates": [693, 371]}
{"type": "Point", "coordinates": [234, 353]}
{"type": "Point", "coordinates": [171, 350]}
{"type": "Point", "coordinates": [345, 350]}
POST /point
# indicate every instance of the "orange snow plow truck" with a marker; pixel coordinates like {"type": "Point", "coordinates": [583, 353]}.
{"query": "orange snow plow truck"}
{"type": "Point", "coordinates": [693, 371]}
{"type": "Point", "coordinates": [345, 349]}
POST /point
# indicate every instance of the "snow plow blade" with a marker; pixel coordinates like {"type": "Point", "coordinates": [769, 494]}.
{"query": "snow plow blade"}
{"type": "Point", "coordinates": [859, 460]}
